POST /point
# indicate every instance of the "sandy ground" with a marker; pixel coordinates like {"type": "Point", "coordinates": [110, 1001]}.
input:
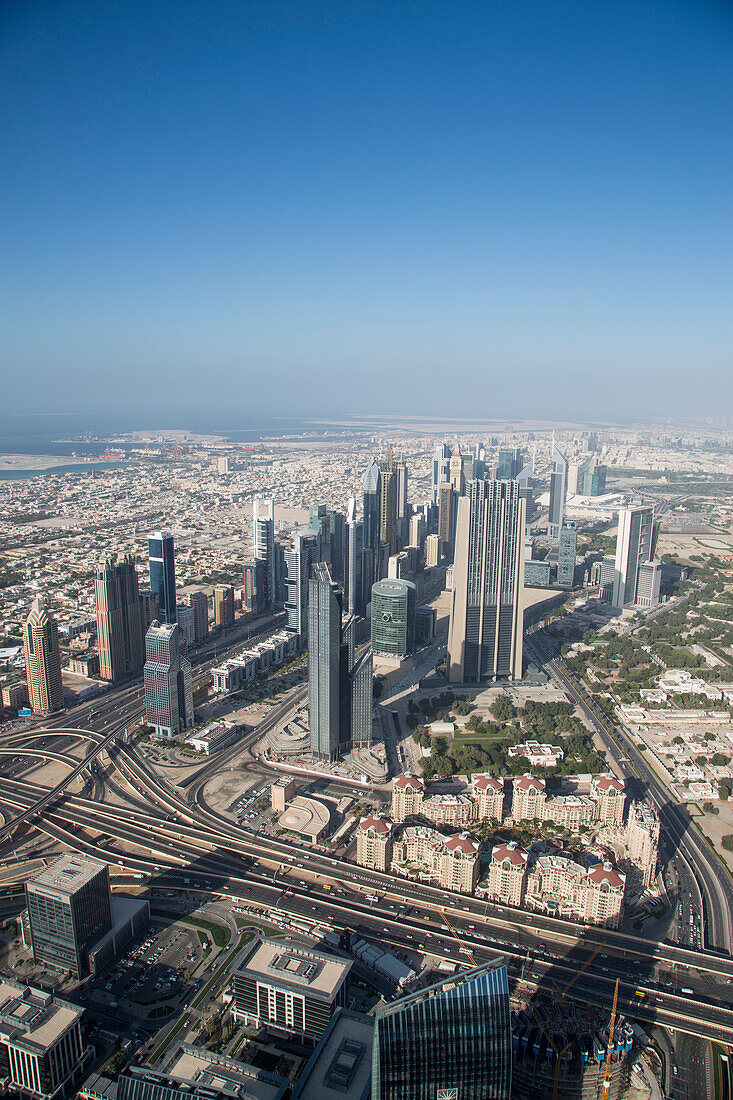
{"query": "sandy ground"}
{"type": "Point", "coordinates": [38, 462]}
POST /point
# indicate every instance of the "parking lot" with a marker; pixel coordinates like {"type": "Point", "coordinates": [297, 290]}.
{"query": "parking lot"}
{"type": "Point", "coordinates": [155, 968]}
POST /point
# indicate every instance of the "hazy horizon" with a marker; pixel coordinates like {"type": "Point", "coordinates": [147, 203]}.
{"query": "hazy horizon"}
{"type": "Point", "coordinates": [308, 211]}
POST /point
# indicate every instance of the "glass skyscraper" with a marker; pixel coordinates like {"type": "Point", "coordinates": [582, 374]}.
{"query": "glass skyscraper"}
{"type": "Point", "coordinates": [451, 1041]}
{"type": "Point", "coordinates": [161, 559]}
{"type": "Point", "coordinates": [393, 618]}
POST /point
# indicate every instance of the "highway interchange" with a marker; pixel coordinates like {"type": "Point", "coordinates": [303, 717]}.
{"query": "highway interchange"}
{"type": "Point", "coordinates": [178, 842]}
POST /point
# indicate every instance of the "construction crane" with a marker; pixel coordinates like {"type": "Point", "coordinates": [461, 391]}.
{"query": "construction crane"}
{"type": "Point", "coordinates": [463, 949]}
{"type": "Point", "coordinates": [612, 1024]}
{"type": "Point", "coordinates": [562, 992]}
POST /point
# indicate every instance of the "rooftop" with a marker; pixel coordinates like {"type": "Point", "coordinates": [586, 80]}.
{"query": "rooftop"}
{"type": "Point", "coordinates": [33, 1018]}
{"type": "Point", "coordinates": [69, 873]}
{"type": "Point", "coordinates": [341, 1064]}
{"type": "Point", "coordinates": [296, 968]}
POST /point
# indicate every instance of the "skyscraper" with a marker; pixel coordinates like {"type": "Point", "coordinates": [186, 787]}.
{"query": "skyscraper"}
{"type": "Point", "coordinates": [634, 545]}
{"type": "Point", "coordinates": [161, 558]}
{"type": "Point", "coordinates": [485, 635]}
{"type": "Point", "coordinates": [450, 1041]}
{"type": "Point", "coordinates": [199, 602]}
{"type": "Point", "coordinates": [339, 686]}
{"type": "Point", "coordinates": [324, 645]}
{"type": "Point", "coordinates": [509, 463]}
{"type": "Point", "coordinates": [120, 627]}
{"type": "Point", "coordinates": [445, 518]}
{"type": "Point", "coordinates": [299, 559]}
{"type": "Point", "coordinates": [43, 661]}
{"type": "Point", "coordinates": [566, 551]}
{"type": "Point", "coordinates": [455, 473]}
{"type": "Point", "coordinates": [354, 561]}
{"type": "Point", "coordinates": [388, 503]}
{"type": "Point", "coordinates": [441, 461]}
{"type": "Point", "coordinates": [263, 522]}
{"type": "Point", "coordinates": [224, 605]}
{"type": "Point", "coordinates": [393, 618]}
{"type": "Point", "coordinates": [254, 586]}
{"type": "Point", "coordinates": [337, 525]}
{"type": "Point", "coordinates": [558, 492]}
{"type": "Point", "coordinates": [167, 676]}
{"type": "Point", "coordinates": [372, 484]}
{"type": "Point", "coordinates": [319, 524]}
{"type": "Point", "coordinates": [69, 910]}
{"type": "Point", "coordinates": [403, 514]}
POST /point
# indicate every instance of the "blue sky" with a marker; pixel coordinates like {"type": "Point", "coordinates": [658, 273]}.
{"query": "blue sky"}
{"type": "Point", "coordinates": [496, 208]}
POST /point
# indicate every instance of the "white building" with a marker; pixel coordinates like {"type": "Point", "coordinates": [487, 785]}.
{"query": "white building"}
{"type": "Point", "coordinates": [212, 738]}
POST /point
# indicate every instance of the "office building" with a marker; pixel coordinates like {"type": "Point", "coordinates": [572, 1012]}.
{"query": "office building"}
{"type": "Point", "coordinates": [187, 622]}
{"type": "Point", "coordinates": [566, 553]}
{"type": "Point", "coordinates": [263, 523]}
{"type": "Point", "coordinates": [120, 635]}
{"type": "Point", "coordinates": [254, 586]}
{"type": "Point", "coordinates": [537, 573]}
{"type": "Point", "coordinates": [355, 602]}
{"type": "Point", "coordinates": [42, 661]}
{"type": "Point", "coordinates": [42, 1051]}
{"type": "Point", "coordinates": [324, 645]}
{"type": "Point", "coordinates": [403, 510]}
{"type": "Point", "coordinates": [191, 1073]}
{"type": "Point", "coordinates": [446, 498]}
{"type": "Point", "coordinates": [634, 545]}
{"type": "Point", "coordinates": [558, 492]}
{"type": "Point", "coordinates": [393, 618]}
{"type": "Point", "coordinates": [371, 483]}
{"type": "Point", "coordinates": [199, 604]}
{"type": "Point", "coordinates": [150, 609]}
{"type": "Point", "coordinates": [509, 463]}
{"type": "Point", "coordinates": [224, 605]}
{"type": "Point", "coordinates": [432, 551]}
{"type": "Point", "coordinates": [451, 1040]}
{"type": "Point", "coordinates": [441, 464]}
{"type": "Point", "coordinates": [648, 583]}
{"type": "Point", "coordinates": [388, 504]}
{"type": "Point", "coordinates": [69, 910]}
{"type": "Point", "coordinates": [417, 530]}
{"type": "Point", "coordinates": [486, 622]}
{"type": "Point", "coordinates": [319, 525]}
{"type": "Point", "coordinates": [167, 678]}
{"type": "Point", "coordinates": [594, 479]}
{"type": "Point", "coordinates": [339, 685]}
{"type": "Point", "coordinates": [337, 530]}
{"type": "Point", "coordinates": [288, 989]}
{"type": "Point", "coordinates": [304, 553]}
{"type": "Point", "coordinates": [161, 560]}
{"type": "Point", "coordinates": [340, 1067]}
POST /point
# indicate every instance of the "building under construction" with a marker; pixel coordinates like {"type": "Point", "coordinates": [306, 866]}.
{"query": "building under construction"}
{"type": "Point", "coordinates": [561, 1050]}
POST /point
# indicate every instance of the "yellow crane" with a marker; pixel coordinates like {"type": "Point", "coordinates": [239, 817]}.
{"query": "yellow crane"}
{"type": "Point", "coordinates": [463, 949]}
{"type": "Point", "coordinates": [612, 1024]}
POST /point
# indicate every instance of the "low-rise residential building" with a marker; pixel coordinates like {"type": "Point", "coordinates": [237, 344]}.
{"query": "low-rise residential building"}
{"type": "Point", "coordinates": [374, 842]}
{"type": "Point", "coordinates": [423, 853]}
{"type": "Point", "coordinates": [246, 666]}
{"type": "Point", "coordinates": [448, 809]}
{"type": "Point", "coordinates": [542, 756]}
{"type": "Point", "coordinates": [569, 811]}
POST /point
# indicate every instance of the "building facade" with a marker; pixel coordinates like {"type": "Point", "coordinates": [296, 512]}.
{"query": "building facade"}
{"type": "Point", "coordinates": [374, 842]}
{"type": "Point", "coordinates": [450, 862]}
{"type": "Point", "coordinates": [224, 605]}
{"type": "Point", "coordinates": [634, 544]}
{"type": "Point", "coordinates": [558, 492]}
{"type": "Point", "coordinates": [393, 618]}
{"type": "Point", "coordinates": [162, 565]}
{"type": "Point", "coordinates": [69, 910]}
{"type": "Point", "coordinates": [120, 627]}
{"type": "Point", "coordinates": [450, 1041]}
{"type": "Point", "coordinates": [486, 621]}
{"type": "Point", "coordinates": [167, 680]}
{"type": "Point", "coordinates": [263, 532]}
{"type": "Point", "coordinates": [254, 586]}
{"type": "Point", "coordinates": [42, 1049]}
{"type": "Point", "coordinates": [43, 661]}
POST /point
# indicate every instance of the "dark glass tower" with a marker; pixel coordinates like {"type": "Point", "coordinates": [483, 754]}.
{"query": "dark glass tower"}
{"type": "Point", "coordinates": [372, 485]}
{"type": "Point", "coordinates": [450, 1041]}
{"type": "Point", "coordinates": [163, 574]}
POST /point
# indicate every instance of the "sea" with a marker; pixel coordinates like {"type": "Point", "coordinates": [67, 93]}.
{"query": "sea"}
{"type": "Point", "coordinates": [65, 434]}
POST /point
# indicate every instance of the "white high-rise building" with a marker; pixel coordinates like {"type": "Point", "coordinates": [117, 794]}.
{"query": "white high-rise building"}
{"type": "Point", "coordinates": [558, 492]}
{"type": "Point", "coordinates": [263, 522]}
{"type": "Point", "coordinates": [633, 548]}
